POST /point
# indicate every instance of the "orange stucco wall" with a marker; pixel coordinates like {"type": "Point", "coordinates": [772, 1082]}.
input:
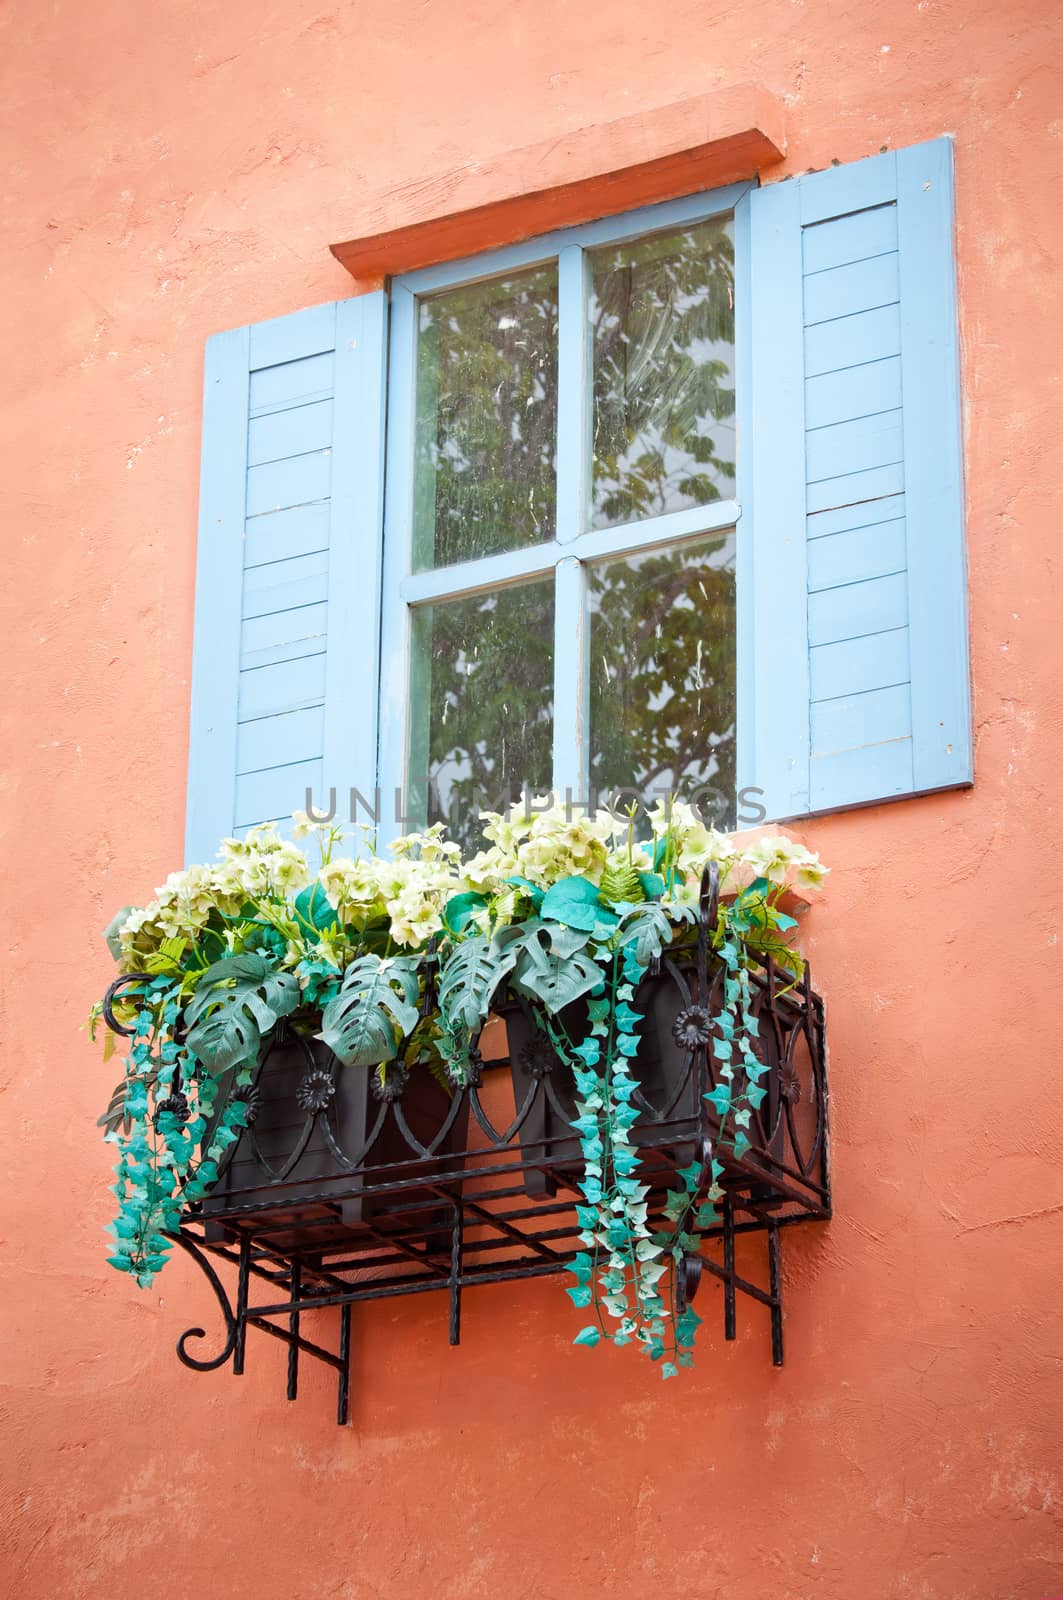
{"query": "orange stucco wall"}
{"type": "Point", "coordinates": [174, 169]}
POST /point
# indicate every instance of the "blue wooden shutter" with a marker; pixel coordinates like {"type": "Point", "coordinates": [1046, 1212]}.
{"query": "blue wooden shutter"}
{"type": "Point", "coordinates": [853, 484]}
{"type": "Point", "coordinates": [284, 680]}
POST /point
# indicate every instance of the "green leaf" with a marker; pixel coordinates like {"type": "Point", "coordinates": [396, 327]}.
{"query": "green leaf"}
{"type": "Point", "coordinates": [110, 933]}
{"type": "Point", "coordinates": [554, 979]}
{"type": "Point", "coordinates": [621, 884]}
{"type": "Point", "coordinates": [460, 910]}
{"type": "Point", "coordinates": [312, 905]}
{"type": "Point", "coordinates": [532, 890]}
{"type": "Point", "coordinates": [236, 1001]}
{"type": "Point", "coordinates": [588, 1336]}
{"type": "Point", "coordinates": [576, 901]}
{"type": "Point", "coordinates": [469, 977]}
{"type": "Point", "coordinates": [648, 930]}
{"type": "Point", "coordinates": [374, 1011]}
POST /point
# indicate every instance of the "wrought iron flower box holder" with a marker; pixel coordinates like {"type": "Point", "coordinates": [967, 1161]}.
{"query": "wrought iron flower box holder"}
{"type": "Point", "coordinates": [412, 1191]}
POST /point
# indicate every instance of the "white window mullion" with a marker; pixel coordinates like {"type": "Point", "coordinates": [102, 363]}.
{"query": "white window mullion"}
{"type": "Point", "coordinates": [570, 599]}
{"type": "Point", "coordinates": [395, 631]}
{"type": "Point", "coordinates": [573, 375]}
{"type": "Point", "coordinates": [571, 678]}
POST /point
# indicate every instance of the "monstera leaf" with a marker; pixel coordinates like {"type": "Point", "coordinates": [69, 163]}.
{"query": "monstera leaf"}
{"type": "Point", "coordinates": [470, 976]}
{"type": "Point", "coordinates": [374, 1011]}
{"type": "Point", "coordinates": [552, 965]}
{"type": "Point", "coordinates": [236, 1001]}
{"type": "Point", "coordinates": [648, 929]}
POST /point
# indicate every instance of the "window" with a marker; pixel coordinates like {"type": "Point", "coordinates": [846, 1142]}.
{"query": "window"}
{"type": "Point", "coordinates": [673, 501]}
{"type": "Point", "coordinates": [559, 610]}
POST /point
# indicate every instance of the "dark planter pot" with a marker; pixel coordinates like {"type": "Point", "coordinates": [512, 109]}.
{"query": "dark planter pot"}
{"type": "Point", "coordinates": [674, 1117]}
{"type": "Point", "coordinates": [322, 1139]}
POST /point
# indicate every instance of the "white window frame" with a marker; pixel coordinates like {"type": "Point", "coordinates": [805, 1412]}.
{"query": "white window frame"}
{"type": "Point", "coordinates": [573, 545]}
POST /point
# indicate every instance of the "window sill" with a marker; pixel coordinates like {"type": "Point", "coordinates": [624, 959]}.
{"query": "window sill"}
{"type": "Point", "coordinates": [699, 143]}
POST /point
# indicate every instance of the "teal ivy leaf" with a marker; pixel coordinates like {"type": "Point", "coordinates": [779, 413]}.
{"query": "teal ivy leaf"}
{"type": "Point", "coordinates": [588, 1336]}
{"type": "Point", "coordinates": [691, 1175]}
{"type": "Point", "coordinates": [652, 885]}
{"type": "Point", "coordinates": [669, 1371]}
{"type": "Point", "coordinates": [741, 1145]}
{"type": "Point", "coordinates": [720, 1098]}
{"type": "Point", "coordinates": [581, 1264]}
{"type": "Point", "coordinates": [755, 1093]}
{"type": "Point", "coordinates": [580, 1295]}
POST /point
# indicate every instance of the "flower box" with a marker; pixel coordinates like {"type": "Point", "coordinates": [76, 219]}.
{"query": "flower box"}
{"type": "Point", "coordinates": [675, 1117]}
{"type": "Point", "coordinates": [320, 1143]}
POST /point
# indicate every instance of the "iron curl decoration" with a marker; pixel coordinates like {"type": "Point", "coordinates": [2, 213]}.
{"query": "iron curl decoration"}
{"type": "Point", "coordinates": [127, 980]}
{"type": "Point", "coordinates": [231, 1324]}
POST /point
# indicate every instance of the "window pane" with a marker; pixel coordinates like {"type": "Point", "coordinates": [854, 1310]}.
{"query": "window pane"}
{"type": "Point", "coordinates": [483, 703]}
{"type": "Point", "coordinates": [663, 676]}
{"type": "Point", "coordinates": [662, 324]}
{"type": "Point", "coordinates": [486, 418]}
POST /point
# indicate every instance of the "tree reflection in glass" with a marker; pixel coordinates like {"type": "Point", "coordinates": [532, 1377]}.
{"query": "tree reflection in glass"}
{"type": "Point", "coordinates": [662, 679]}
{"type": "Point", "coordinates": [483, 704]}
{"type": "Point", "coordinates": [486, 418]}
{"type": "Point", "coordinates": [662, 329]}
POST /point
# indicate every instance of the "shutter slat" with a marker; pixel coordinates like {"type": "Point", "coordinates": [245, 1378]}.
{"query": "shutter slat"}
{"type": "Point", "coordinates": [851, 341]}
{"type": "Point", "coordinates": [843, 291]}
{"type": "Point", "coordinates": [859, 391]}
{"type": "Point", "coordinates": [856, 609]}
{"type": "Point", "coordinates": [858, 553]}
{"type": "Point", "coordinates": [302, 581]}
{"type": "Point", "coordinates": [297, 532]}
{"type": "Point", "coordinates": [874, 661]}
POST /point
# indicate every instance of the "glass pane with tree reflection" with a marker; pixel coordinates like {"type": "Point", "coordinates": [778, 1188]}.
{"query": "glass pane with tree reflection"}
{"type": "Point", "coordinates": [663, 675]}
{"type": "Point", "coordinates": [483, 701]}
{"type": "Point", "coordinates": [486, 418]}
{"type": "Point", "coordinates": [662, 326]}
